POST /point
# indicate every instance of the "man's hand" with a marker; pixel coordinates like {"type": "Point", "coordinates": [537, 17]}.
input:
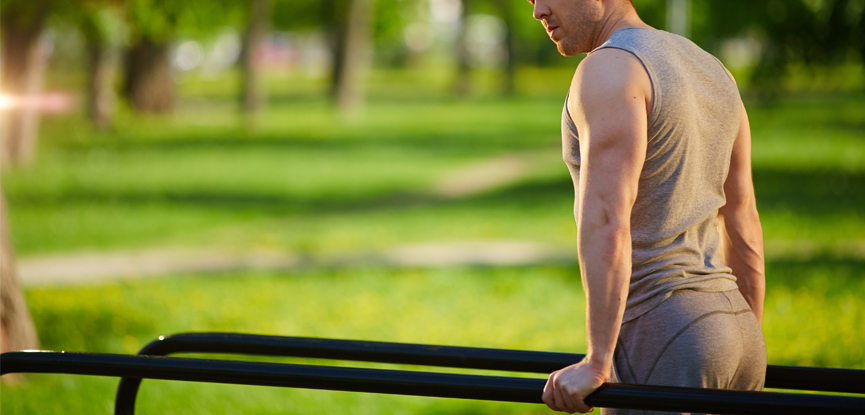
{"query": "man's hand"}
{"type": "Point", "coordinates": [567, 388]}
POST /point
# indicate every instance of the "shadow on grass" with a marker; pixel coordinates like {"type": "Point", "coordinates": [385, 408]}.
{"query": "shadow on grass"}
{"type": "Point", "coordinates": [810, 192]}
{"type": "Point", "coordinates": [805, 193]}
{"type": "Point", "coordinates": [823, 274]}
{"type": "Point", "coordinates": [432, 142]}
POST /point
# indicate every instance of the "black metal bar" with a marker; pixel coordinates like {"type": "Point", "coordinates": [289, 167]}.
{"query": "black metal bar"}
{"type": "Point", "coordinates": [784, 377]}
{"type": "Point", "coordinates": [366, 351]}
{"type": "Point", "coordinates": [421, 384]}
{"type": "Point", "coordinates": [781, 377]}
{"type": "Point", "coordinates": [354, 350]}
{"type": "Point", "coordinates": [820, 379]}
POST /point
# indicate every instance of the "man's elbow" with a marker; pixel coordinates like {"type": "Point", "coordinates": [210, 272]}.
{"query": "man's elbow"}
{"type": "Point", "coordinates": [740, 208]}
{"type": "Point", "coordinates": [607, 224]}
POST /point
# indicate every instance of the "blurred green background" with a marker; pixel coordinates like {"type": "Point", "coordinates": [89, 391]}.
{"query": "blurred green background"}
{"type": "Point", "coordinates": [325, 136]}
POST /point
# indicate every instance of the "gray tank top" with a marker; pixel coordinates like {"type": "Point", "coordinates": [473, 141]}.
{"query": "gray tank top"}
{"type": "Point", "coordinates": [692, 125]}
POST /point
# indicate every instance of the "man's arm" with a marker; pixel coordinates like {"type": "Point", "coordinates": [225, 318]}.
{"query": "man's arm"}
{"type": "Point", "coordinates": [741, 232]}
{"type": "Point", "coordinates": [610, 97]}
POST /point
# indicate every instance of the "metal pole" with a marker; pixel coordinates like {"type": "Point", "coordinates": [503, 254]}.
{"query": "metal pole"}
{"type": "Point", "coordinates": [494, 388]}
{"type": "Point", "coordinates": [782, 377]}
{"type": "Point", "coordinates": [354, 350]}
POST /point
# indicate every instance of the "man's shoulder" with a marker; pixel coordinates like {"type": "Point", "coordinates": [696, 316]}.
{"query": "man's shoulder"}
{"type": "Point", "coordinates": [605, 63]}
{"type": "Point", "coordinates": [608, 73]}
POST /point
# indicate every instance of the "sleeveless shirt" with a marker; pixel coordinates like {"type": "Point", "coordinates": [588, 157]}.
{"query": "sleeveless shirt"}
{"type": "Point", "coordinates": [692, 124]}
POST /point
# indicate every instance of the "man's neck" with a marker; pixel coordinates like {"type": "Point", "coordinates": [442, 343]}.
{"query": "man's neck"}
{"type": "Point", "coordinates": [614, 21]}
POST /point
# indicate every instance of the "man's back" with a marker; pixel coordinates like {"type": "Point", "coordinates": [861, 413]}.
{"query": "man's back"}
{"type": "Point", "coordinates": [692, 125]}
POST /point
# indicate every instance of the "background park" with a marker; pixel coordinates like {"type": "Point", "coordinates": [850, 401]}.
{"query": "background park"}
{"type": "Point", "coordinates": [383, 170]}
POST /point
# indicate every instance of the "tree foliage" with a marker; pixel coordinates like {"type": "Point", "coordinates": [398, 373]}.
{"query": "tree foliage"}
{"type": "Point", "coordinates": [811, 33]}
{"type": "Point", "coordinates": [162, 20]}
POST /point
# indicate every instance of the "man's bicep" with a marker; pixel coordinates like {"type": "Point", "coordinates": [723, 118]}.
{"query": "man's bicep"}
{"type": "Point", "coordinates": [610, 111]}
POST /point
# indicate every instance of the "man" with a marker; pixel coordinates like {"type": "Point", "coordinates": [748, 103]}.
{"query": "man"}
{"type": "Point", "coordinates": [658, 145]}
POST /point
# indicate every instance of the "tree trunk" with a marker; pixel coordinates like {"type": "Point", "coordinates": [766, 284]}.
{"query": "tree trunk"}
{"type": "Point", "coordinates": [100, 89]}
{"type": "Point", "coordinates": [148, 85]}
{"type": "Point", "coordinates": [337, 41]}
{"type": "Point", "coordinates": [16, 326]}
{"type": "Point", "coordinates": [334, 13]}
{"type": "Point", "coordinates": [463, 79]}
{"type": "Point", "coordinates": [354, 61]}
{"type": "Point", "coordinates": [252, 95]}
{"type": "Point", "coordinates": [23, 59]}
{"type": "Point", "coordinates": [507, 13]}
{"type": "Point", "coordinates": [859, 33]}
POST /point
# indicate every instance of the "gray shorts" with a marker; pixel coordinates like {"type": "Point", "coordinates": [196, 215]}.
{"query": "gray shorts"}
{"type": "Point", "coordinates": [692, 339]}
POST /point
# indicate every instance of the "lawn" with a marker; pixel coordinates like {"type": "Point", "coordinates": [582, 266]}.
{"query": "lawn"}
{"type": "Point", "coordinates": [303, 179]}
{"type": "Point", "coordinates": [811, 311]}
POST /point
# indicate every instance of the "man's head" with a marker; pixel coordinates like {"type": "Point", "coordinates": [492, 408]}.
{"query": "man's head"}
{"type": "Point", "coordinates": [576, 25]}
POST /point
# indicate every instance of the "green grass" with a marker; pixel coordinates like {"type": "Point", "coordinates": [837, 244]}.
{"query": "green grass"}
{"type": "Point", "coordinates": [303, 179]}
{"type": "Point", "coordinates": [299, 163]}
{"type": "Point", "coordinates": [481, 307]}
{"type": "Point", "coordinates": [810, 310]}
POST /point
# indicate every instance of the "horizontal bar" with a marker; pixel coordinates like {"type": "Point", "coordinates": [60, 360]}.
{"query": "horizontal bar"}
{"type": "Point", "coordinates": [365, 351]}
{"type": "Point", "coordinates": [354, 350]}
{"type": "Point", "coordinates": [495, 388]}
{"type": "Point", "coordinates": [273, 374]}
{"type": "Point", "coordinates": [780, 377]}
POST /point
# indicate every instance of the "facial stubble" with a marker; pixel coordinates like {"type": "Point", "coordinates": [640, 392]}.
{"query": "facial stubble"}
{"type": "Point", "coordinates": [585, 21]}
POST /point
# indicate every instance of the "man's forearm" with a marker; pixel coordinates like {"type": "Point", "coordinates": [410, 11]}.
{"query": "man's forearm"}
{"type": "Point", "coordinates": [605, 265]}
{"type": "Point", "coordinates": [742, 236]}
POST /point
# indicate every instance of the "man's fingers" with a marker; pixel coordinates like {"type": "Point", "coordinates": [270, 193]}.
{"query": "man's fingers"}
{"type": "Point", "coordinates": [565, 389]}
{"type": "Point", "coordinates": [568, 405]}
{"type": "Point", "coordinates": [547, 397]}
{"type": "Point", "coordinates": [575, 402]}
{"type": "Point", "coordinates": [560, 401]}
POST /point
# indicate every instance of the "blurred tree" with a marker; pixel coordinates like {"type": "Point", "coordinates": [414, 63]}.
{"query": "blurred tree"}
{"type": "Point", "coordinates": [463, 77]}
{"type": "Point", "coordinates": [103, 28]}
{"type": "Point", "coordinates": [23, 58]}
{"type": "Point", "coordinates": [506, 10]}
{"type": "Point", "coordinates": [816, 34]}
{"type": "Point", "coordinates": [859, 35]}
{"type": "Point", "coordinates": [350, 29]}
{"type": "Point", "coordinates": [294, 15]}
{"type": "Point", "coordinates": [330, 16]}
{"type": "Point", "coordinates": [154, 24]}
{"type": "Point", "coordinates": [16, 325]}
{"type": "Point", "coordinates": [337, 33]}
{"type": "Point", "coordinates": [391, 19]}
{"type": "Point", "coordinates": [148, 85]}
{"type": "Point", "coordinates": [252, 94]}
{"type": "Point", "coordinates": [354, 57]}
{"type": "Point", "coordinates": [812, 33]}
